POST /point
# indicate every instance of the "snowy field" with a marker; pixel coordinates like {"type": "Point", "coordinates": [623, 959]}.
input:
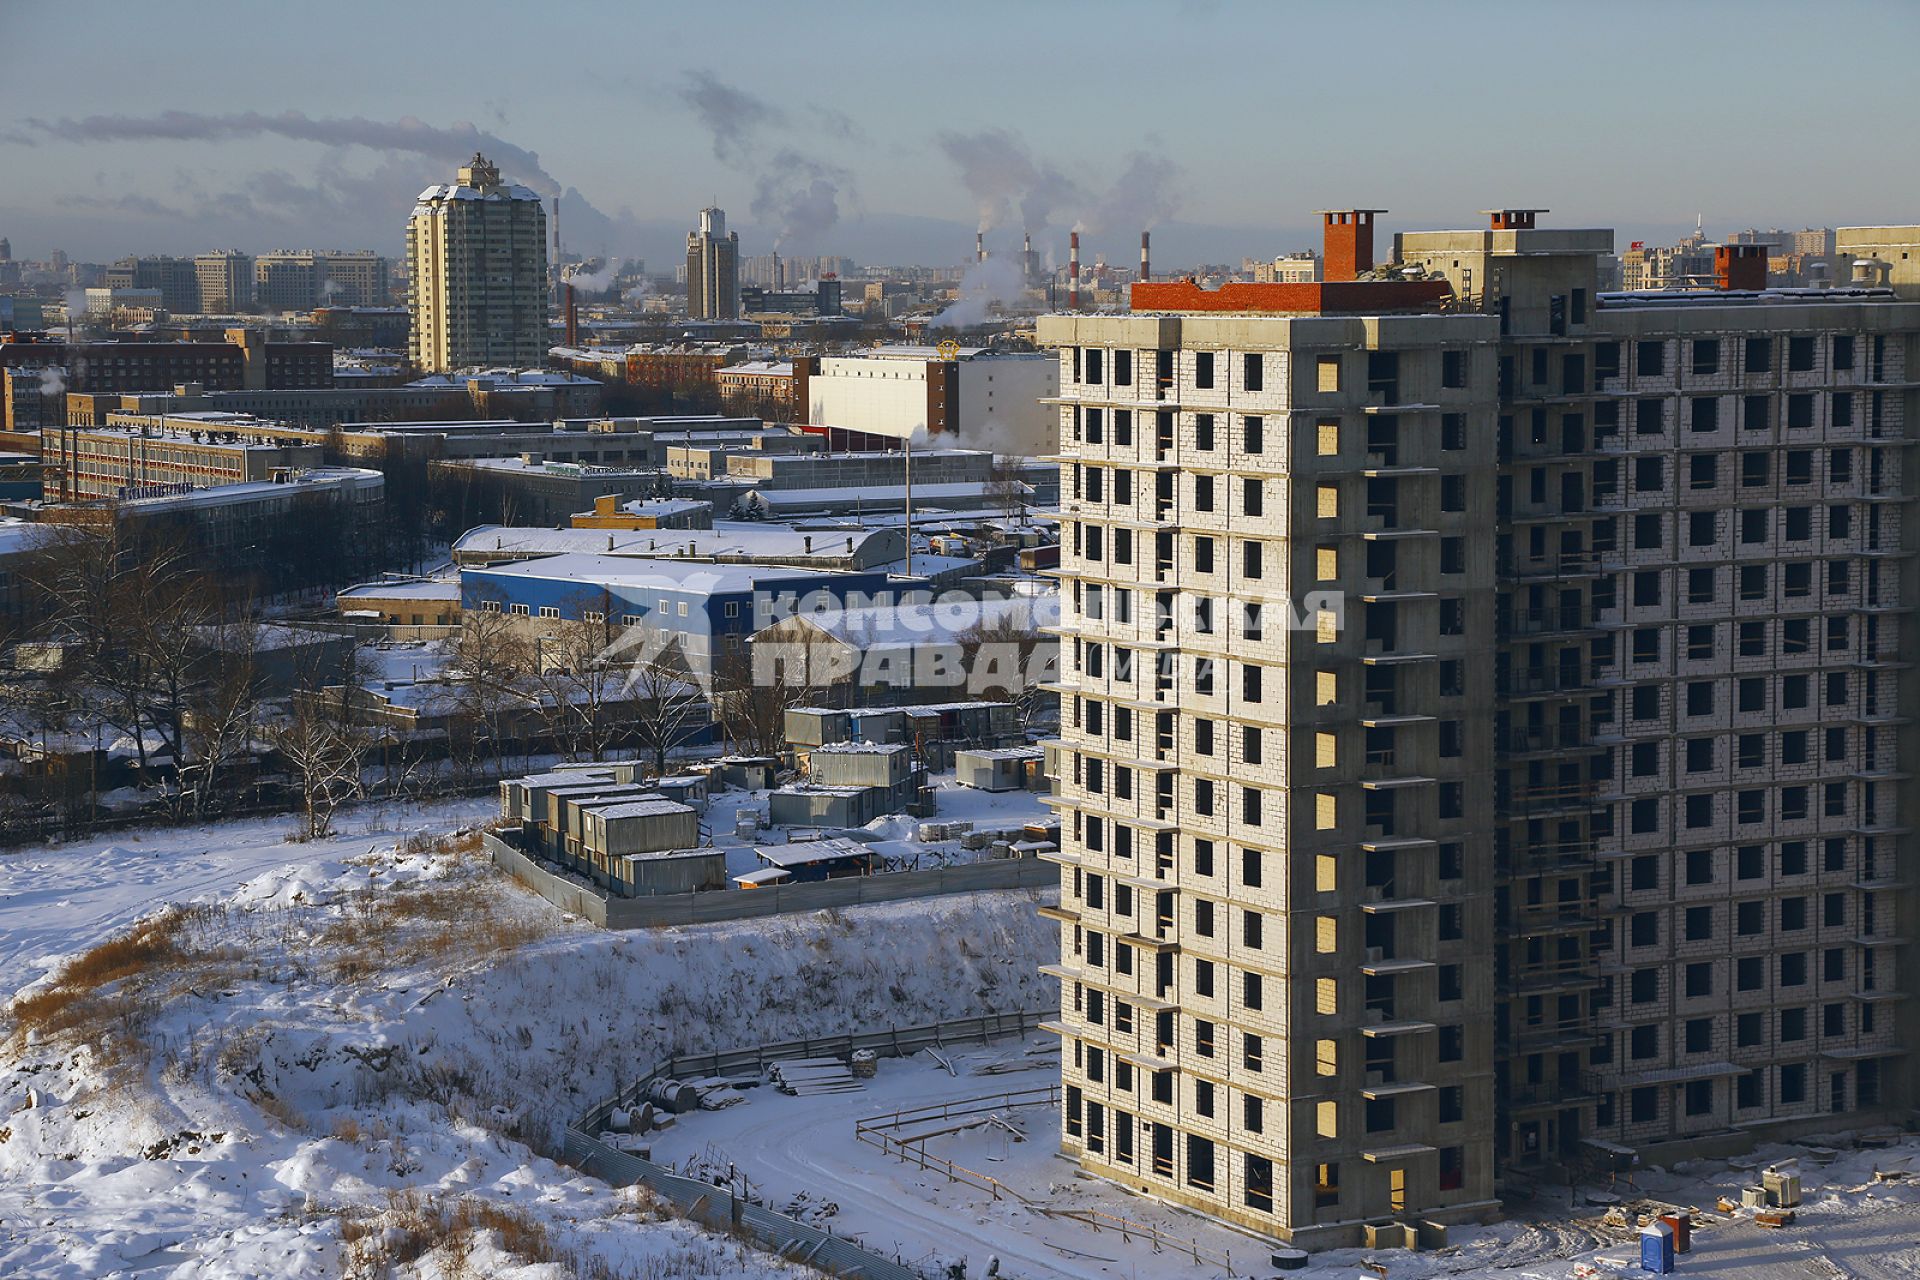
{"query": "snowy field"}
{"type": "Point", "coordinates": [351, 1059]}
{"type": "Point", "coordinates": [800, 1154]}
{"type": "Point", "coordinates": [56, 899]}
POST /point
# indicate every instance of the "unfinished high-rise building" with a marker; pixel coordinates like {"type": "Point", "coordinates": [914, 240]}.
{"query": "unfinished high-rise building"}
{"type": "Point", "coordinates": [1483, 728]}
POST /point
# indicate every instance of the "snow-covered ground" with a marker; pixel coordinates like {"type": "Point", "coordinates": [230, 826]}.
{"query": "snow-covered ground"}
{"type": "Point", "coordinates": [350, 1054]}
{"type": "Point", "coordinates": [63, 898]}
{"type": "Point", "coordinates": [801, 1152]}
{"type": "Point", "coordinates": [360, 1050]}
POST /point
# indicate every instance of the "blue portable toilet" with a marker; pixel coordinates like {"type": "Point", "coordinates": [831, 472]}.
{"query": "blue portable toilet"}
{"type": "Point", "coordinates": [1656, 1248]}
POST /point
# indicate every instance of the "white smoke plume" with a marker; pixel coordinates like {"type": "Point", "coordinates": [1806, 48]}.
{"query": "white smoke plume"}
{"type": "Point", "coordinates": [995, 280]}
{"type": "Point", "coordinates": [53, 382]}
{"type": "Point", "coordinates": [76, 300]}
{"type": "Point", "coordinates": [452, 143]}
{"type": "Point", "coordinates": [1001, 174]}
{"type": "Point", "coordinates": [598, 280]}
{"type": "Point", "coordinates": [732, 115]}
{"type": "Point", "coordinates": [1143, 196]}
{"type": "Point", "coordinates": [800, 197]}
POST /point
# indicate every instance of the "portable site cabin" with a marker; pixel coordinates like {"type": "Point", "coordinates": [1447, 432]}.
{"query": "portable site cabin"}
{"type": "Point", "coordinates": [861, 764]}
{"type": "Point", "coordinates": [1001, 769]}
{"type": "Point", "coordinates": [517, 795]}
{"type": "Point", "coordinates": [688, 788]}
{"type": "Point", "coordinates": [651, 825]}
{"type": "Point", "coordinates": [566, 829]}
{"type": "Point", "coordinates": [879, 724]}
{"type": "Point", "coordinates": [812, 805]}
{"type": "Point", "coordinates": [988, 722]}
{"type": "Point", "coordinates": [545, 820]}
{"type": "Point", "coordinates": [816, 726]}
{"type": "Point", "coordinates": [743, 773]}
{"type": "Point", "coordinates": [641, 875]}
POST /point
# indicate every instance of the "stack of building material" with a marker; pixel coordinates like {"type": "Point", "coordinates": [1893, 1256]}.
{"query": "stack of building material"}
{"type": "Point", "coordinates": [804, 1077]}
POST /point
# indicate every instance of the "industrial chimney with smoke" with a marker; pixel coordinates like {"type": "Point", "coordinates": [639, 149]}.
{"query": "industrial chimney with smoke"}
{"type": "Point", "coordinates": [1026, 260]}
{"type": "Point", "coordinates": [1145, 272]}
{"type": "Point", "coordinates": [1073, 271]}
{"type": "Point", "coordinates": [979, 246]}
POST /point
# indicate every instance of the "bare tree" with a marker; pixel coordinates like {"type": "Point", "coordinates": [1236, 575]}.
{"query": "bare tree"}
{"type": "Point", "coordinates": [1005, 487]}
{"type": "Point", "coordinates": [581, 683]}
{"type": "Point", "coordinates": [492, 690]}
{"type": "Point", "coordinates": [751, 703]}
{"type": "Point", "coordinates": [1009, 659]}
{"type": "Point", "coordinates": [670, 706]}
{"type": "Point", "coordinates": [222, 714]}
{"type": "Point", "coordinates": [323, 737]}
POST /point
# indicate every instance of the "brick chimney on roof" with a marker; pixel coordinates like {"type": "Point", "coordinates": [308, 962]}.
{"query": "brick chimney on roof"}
{"type": "Point", "coordinates": [1347, 249]}
{"type": "Point", "coordinates": [1740, 266]}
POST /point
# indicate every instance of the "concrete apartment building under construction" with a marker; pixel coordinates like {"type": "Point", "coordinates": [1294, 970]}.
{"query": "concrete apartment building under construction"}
{"type": "Point", "coordinates": [1360, 929]}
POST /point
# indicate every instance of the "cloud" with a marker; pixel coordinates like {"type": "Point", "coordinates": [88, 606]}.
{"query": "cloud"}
{"type": "Point", "coordinates": [733, 116]}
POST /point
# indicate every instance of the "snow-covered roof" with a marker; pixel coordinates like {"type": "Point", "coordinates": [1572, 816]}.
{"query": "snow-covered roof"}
{"type": "Point", "coordinates": [637, 573]}
{"type": "Point", "coordinates": [428, 589]}
{"type": "Point", "coordinates": [943, 622]}
{"type": "Point", "coordinates": [461, 191]}
{"type": "Point", "coordinates": [805, 852]}
{"type": "Point", "coordinates": [735, 540]}
{"type": "Point", "coordinates": [503, 378]}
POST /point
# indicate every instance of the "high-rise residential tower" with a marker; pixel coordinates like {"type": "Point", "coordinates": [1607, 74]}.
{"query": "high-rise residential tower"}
{"type": "Point", "coordinates": [1483, 725]}
{"type": "Point", "coordinates": [477, 273]}
{"type": "Point", "coordinates": [713, 269]}
{"type": "Point", "coordinates": [226, 281]}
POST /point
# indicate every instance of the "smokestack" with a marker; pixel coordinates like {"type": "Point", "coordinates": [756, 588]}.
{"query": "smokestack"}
{"type": "Point", "coordinates": [1026, 257]}
{"type": "Point", "coordinates": [1146, 273]}
{"type": "Point", "coordinates": [779, 273]}
{"type": "Point", "coordinates": [573, 318]}
{"type": "Point", "coordinates": [979, 246]}
{"type": "Point", "coordinates": [1073, 271]}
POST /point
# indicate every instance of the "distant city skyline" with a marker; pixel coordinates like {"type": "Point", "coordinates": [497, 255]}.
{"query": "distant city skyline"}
{"type": "Point", "coordinates": [856, 134]}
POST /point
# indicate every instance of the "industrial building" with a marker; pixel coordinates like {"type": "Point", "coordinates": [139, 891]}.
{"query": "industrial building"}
{"type": "Point", "coordinates": [184, 452]}
{"type": "Point", "coordinates": [1360, 927]}
{"type": "Point", "coordinates": [704, 609]}
{"type": "Point", "coordinates": [477, 273]}
{"type": "Point", "coordinates": [978, 398]}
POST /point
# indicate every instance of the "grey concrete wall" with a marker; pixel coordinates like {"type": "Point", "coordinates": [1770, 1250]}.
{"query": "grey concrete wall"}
{"type": "Point", "coordinates": [743, 904]}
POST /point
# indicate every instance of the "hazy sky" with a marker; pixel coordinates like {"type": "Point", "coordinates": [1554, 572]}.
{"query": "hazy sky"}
{"type": "Point", "coordinates": [887, 131]}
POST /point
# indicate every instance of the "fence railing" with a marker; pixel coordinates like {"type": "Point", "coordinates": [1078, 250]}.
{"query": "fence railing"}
{"type": "Point", "coordinates": [879, 1131]}
{"type": "Point", "coordinates": [662, 910]}
{"type": "Point", "coordinates": [720, 1209]}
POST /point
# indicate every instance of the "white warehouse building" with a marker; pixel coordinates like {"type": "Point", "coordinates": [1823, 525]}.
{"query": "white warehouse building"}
{"type": "Point", "coordinates": [980, 398]}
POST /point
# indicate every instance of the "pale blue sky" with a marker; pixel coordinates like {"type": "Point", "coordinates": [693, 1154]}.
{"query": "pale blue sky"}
{"type": "Point", "coordinates": [1234, 120]}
